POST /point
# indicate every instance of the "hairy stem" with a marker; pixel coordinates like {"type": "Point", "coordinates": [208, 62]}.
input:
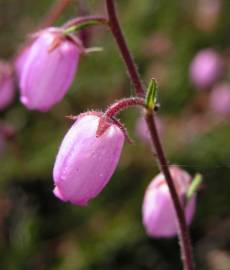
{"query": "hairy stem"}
{"type": "Point", "coordinates": [123, 104]}
{"type": "Point", "coordinates": [185, 244]}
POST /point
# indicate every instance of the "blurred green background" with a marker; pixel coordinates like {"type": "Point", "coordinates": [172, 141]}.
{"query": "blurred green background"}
{"type": "Point", "coordinates": [39, 232]}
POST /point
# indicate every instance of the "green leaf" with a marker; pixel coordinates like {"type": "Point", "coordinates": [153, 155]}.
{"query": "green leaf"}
{"type": "Point", "coordinates": [151, 95]}
{"type": "Point", "coordinates": [81, 25]}
{"type": "Point", "coordinates": [194, 186]}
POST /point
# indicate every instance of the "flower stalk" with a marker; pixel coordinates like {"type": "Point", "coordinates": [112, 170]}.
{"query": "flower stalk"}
{"type": "Point", "coordinates": [123, 104]}
{"type": "Point", "coordinates": [124, 50]}
{"type": "Point", "coordinates": [183, 234]}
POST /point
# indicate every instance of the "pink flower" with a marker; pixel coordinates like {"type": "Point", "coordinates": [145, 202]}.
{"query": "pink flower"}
{"type": "Point", "coordinates": [6, 85]}
{"type": "Point", "coordinates": [205, 68]}
{"type": "Point", "coordinates": [46, 69]}
{"type": "Point", "coordinates": [220, 99]}
{"type": "Point", "coordinates": [85, 162]}
{"type": "Point", "coordinates": [158, 212]}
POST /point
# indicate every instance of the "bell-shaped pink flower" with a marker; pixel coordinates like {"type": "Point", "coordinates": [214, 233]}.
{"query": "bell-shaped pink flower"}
{"type": "Point", "coordinates": [46, 69]}
{"type": "Point", "coordinates": [206, 67]}
{"type": "Point", "coordinates": [86, 162]}
{"type": "Point", "coordinates": [159, 217]}
{"type": "Point", "coordinates": [220, 99]}
{"type": "Point", "coordinates": [6, 85]}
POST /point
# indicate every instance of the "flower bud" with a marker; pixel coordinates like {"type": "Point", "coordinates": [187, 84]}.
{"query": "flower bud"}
{"type": "Point", "coordinates": [6, 85]}
{"type": "Point", "coordinates": [46, 69]}
{"type": "Point", "coordinates": [159, 217]}
{"type": "Point", "coordinates": [85, 161]}
{"type": "Point", "coordinates": [205, 68]}
{"type": "Point", "coordinates": [220, 99]}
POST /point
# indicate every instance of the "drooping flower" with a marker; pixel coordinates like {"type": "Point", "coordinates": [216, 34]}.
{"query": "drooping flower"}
{"type": "Point", "coordinates": [159, 217]}
{"type": "Point", "coordinates": [6, 85]}
{"type": "Point", "coordinates": [85, 162]}
{"type": "Point", "coordinates": [220, 99]}
{"type": "Point", "coordinates": [205, 69]}
{"type": "Point", "coordinates": [46, 68]}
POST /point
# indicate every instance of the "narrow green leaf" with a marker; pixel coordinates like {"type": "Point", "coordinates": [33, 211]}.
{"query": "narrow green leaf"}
{"type": "Point", "coordinates": [151, 95]}
{"type": "Point", "coordinates": [81, 26]}
{"type": "Point", "coordinates": [194, 186]}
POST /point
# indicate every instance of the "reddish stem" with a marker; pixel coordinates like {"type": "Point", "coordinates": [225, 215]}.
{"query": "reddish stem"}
{"type": "Point", "coordinates": [185, 243]}
{"type": "Point", "coordinates": [186, 250]}
{"type": "Point", "coordinates": [124, 50]}
{"type": "Point", "coordinates": [110, 115]}
{"type": "Point", "coordinates": [123, 104]}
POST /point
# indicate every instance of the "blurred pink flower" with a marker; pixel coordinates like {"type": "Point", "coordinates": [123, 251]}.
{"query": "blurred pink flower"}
{"type": "Point", "coordinates": [220, 99]}
{"type": "Point", "coordinates": [46, 69]}
{"type": "Point", "coordinates": [207, 14]}
{"type": "Point", "coordinates": [158, 44]}
{"type": "Point", "coordinates": [158, 213]}
{"type": "Point", "coordinates": [206, 67]}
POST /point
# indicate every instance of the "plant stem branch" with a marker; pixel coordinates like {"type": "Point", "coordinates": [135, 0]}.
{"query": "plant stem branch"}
{"type": "Point", "coordinates": [183, 234]}
{"type": "Point", "coordinates": [123, 104]}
